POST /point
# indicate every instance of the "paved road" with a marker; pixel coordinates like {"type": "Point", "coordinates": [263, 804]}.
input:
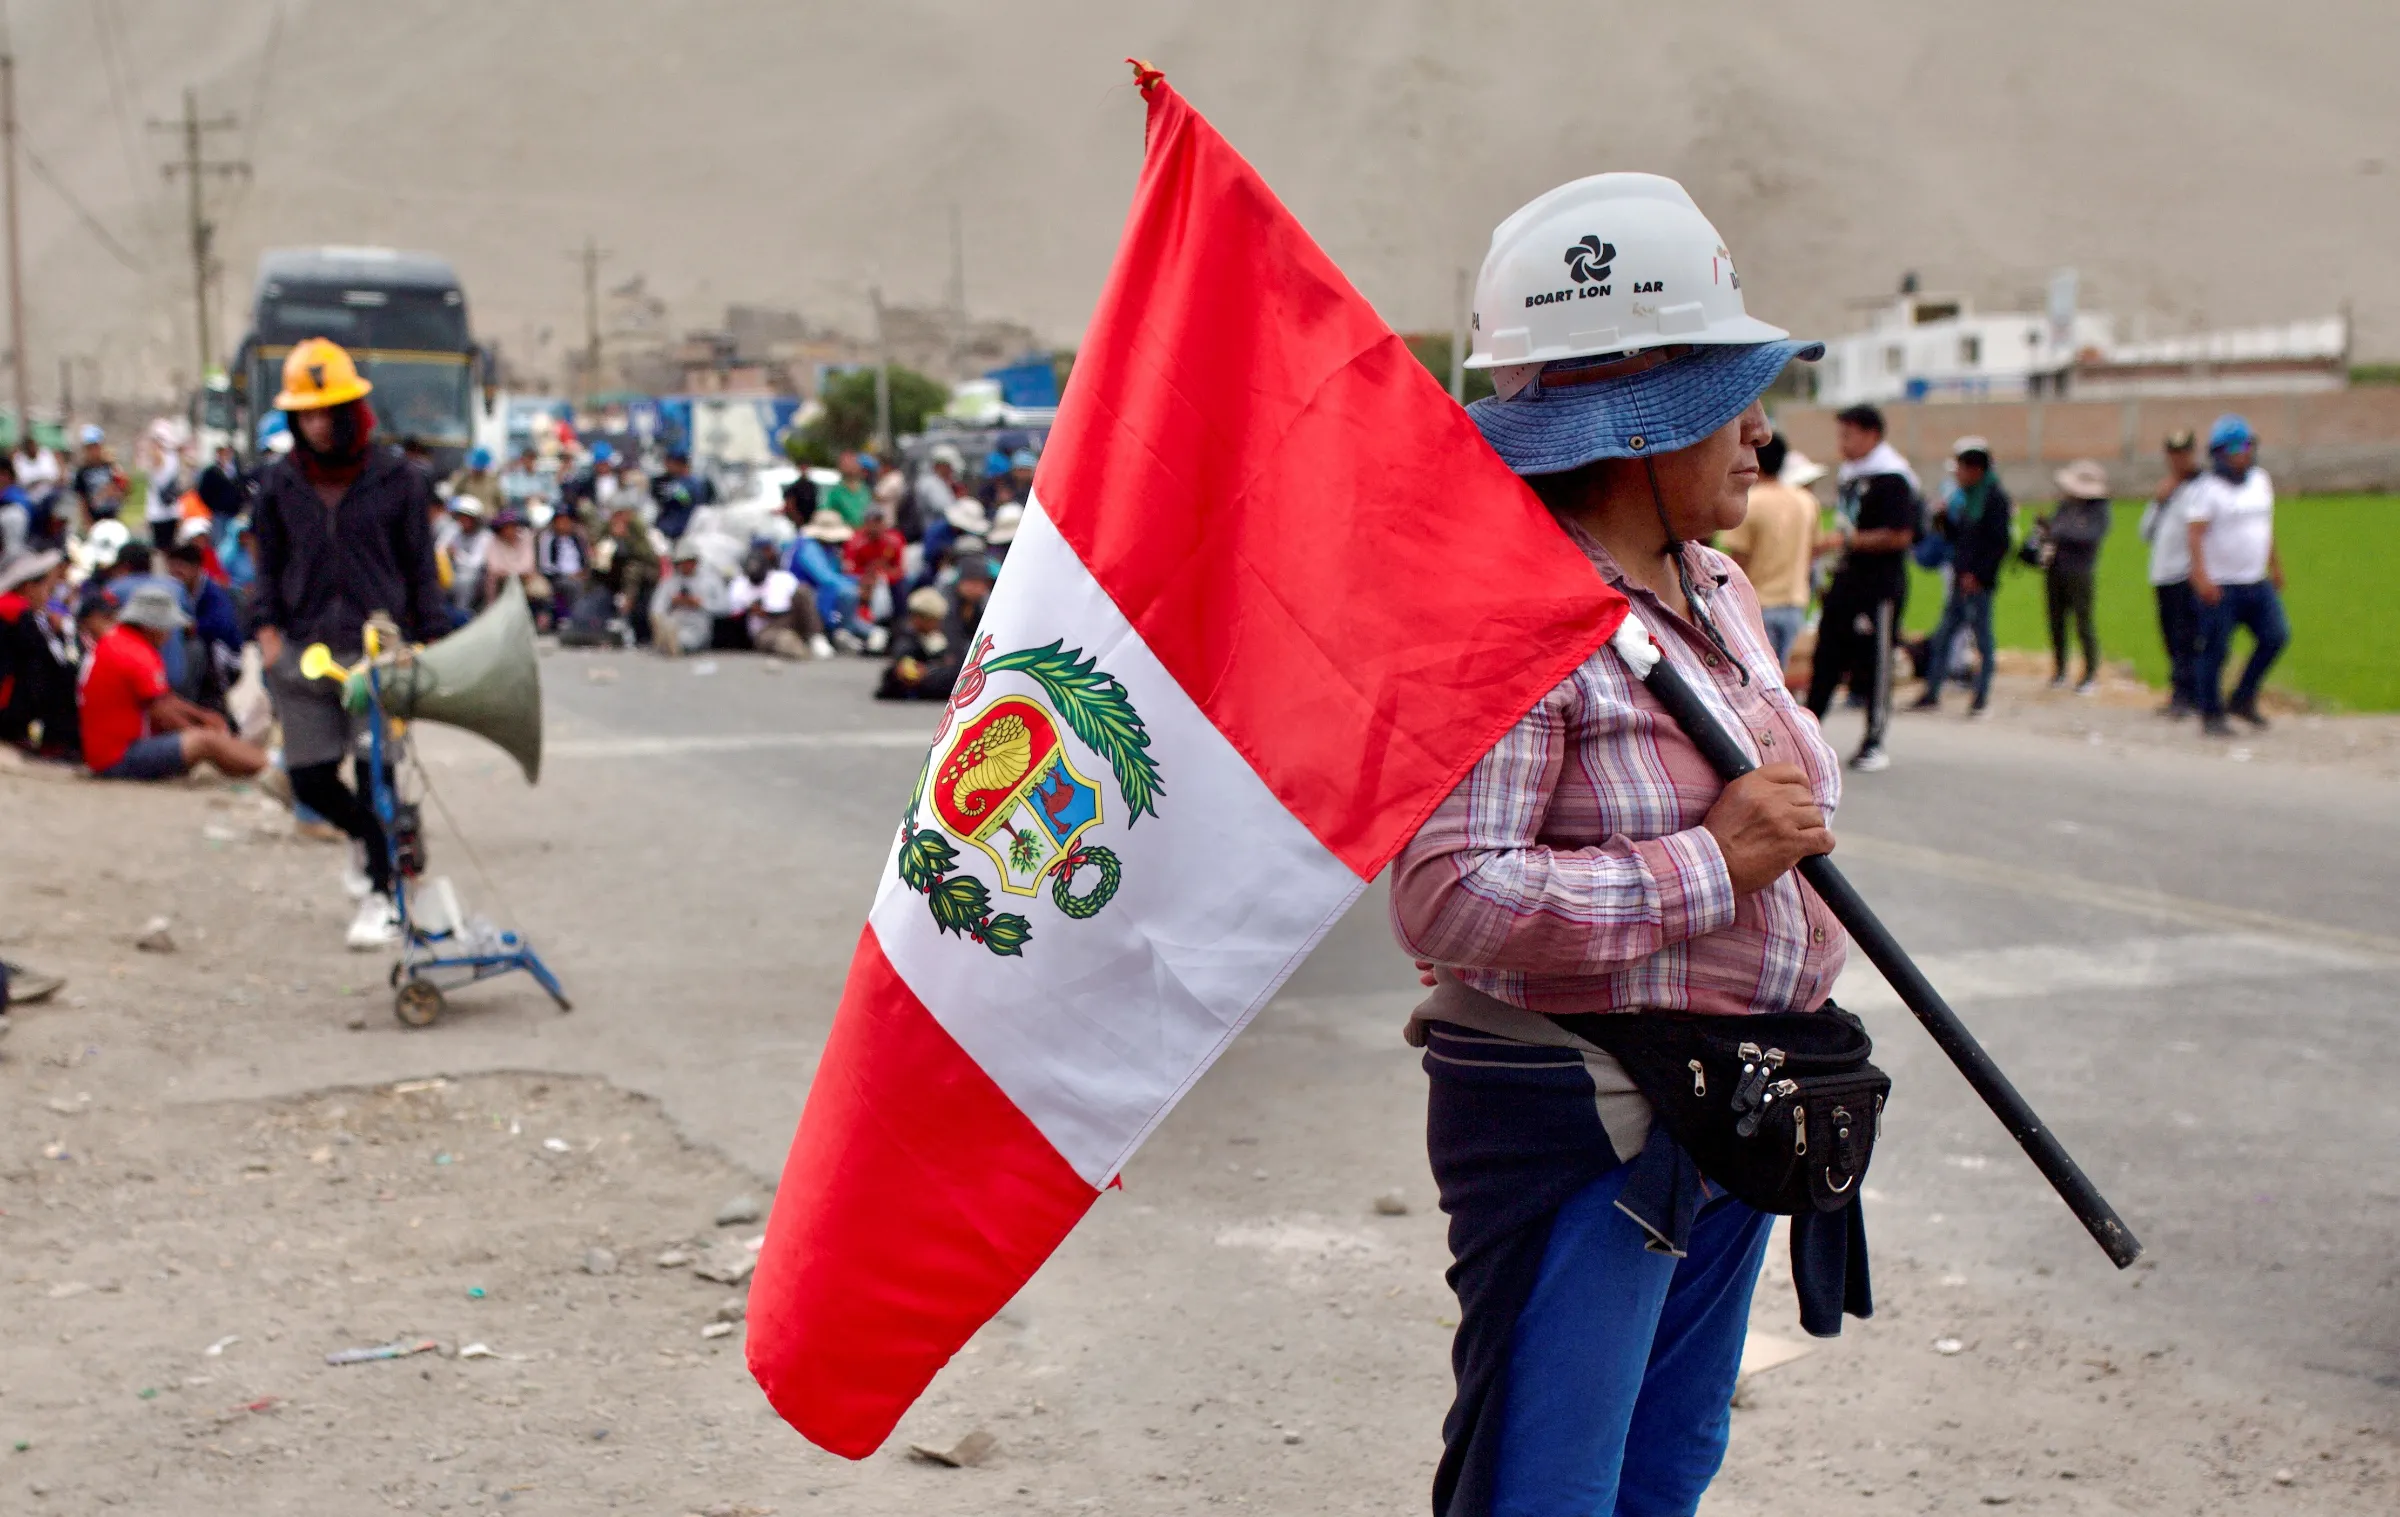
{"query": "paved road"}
{"type": "Point", "coordinates": [2188, 965]}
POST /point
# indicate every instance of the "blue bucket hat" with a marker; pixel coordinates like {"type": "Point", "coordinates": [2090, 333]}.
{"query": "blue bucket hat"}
{"type": "Point", "coordinates": [1578, 410]}
{"type": "Point", "coordinates": [479, 458]}
{"type": "Point", "coordinates": [2230, 434]}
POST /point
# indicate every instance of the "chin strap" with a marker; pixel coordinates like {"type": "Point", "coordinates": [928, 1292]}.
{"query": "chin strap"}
{"type": "Point", "coordinates": [1683, 574]}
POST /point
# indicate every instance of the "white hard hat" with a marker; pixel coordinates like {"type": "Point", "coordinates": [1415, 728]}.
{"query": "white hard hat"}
{"type": "Point", "coordinates": [1615, 263]}
{"type": "Point", "coordinates": [1612, 319]}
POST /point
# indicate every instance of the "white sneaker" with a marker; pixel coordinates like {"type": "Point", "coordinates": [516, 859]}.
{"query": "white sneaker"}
{"type": "Point", "coordinates": [2088, 687]}
{"type": "Point", "coordinates": [878, 639]}
{"type": "Point", "coordinates": [377, 925]}
{"type": "Point", "coordinates": [354, 871]}
{"type": "Point", "coordinates": [820, 647]}
{"type": "Point", "coordinates": [848, 641]}
{"type": "Point", "coordinates": [1871, 760]}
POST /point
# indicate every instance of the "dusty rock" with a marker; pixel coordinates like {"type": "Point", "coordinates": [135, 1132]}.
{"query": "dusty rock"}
{"type": "Point", "coordinates": [1391, 1204]}
{"type": "Point", "coordinates": [717, 1330]}
{"type": "Point", "coordinates": [739, 1211]}
{"type": "Point", "coordinates": [733, 1310]}
{"type": "Point", "coordinates": [599, 1261]}
{"type": "Point", "coordinates": [675, 1258]}
{"type": "Point", "coordinates": [158, 936]}
{"type": "Point", "coordinates": [968, 1452]}
{"type": "Point", "coordinates": [727, 1264]}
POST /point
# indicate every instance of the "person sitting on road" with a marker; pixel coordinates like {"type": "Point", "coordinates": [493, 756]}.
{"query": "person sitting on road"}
{"type": "Point", "coordinates": [777, 617]}
{"type": "Point", "coordinates": [814, 559]}
{"type": "Point", "coordinates": [970, 592]}
{"type": "Point", "coordinates": [134, 726]}
{"type": "Point", "coordinates": [509, 555]}
{"type": "Point", "coordinates": [479, 482]}
{"type": "Point", "coordinates": [213, 661]}
{"type": "Point", "coordinates": [39, 656]}
{"type": "Point", "coordinates": [875, 557]}
{"type": "Point", "coordinates": [925, 658]}
{"type": "Point", "coordinates": [468, 552]}
{"type": "Point", "coordinates": [685, 606]}
{"type": "Point", "coordinates": [625, 563]}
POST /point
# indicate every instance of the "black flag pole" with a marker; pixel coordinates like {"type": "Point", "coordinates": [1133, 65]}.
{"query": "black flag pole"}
{"type": "Point", "coordinates": [1726, 756]}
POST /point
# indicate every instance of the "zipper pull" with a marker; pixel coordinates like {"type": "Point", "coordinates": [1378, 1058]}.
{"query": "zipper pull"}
{"type": "Point", "coordinates": [1699, 1079]}
{"type": "Point", "coordinates": [1799, 1129]}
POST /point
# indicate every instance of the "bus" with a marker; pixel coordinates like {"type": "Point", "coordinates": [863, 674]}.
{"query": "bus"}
{"type": "Point", "coordinates": [401, 315]}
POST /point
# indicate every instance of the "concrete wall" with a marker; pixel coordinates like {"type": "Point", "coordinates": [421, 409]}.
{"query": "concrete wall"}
{"type": "Point", "coordinates": [2329, 441]}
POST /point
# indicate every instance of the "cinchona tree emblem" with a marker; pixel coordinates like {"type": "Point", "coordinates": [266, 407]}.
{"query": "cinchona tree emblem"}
{"type": "Point", "coordinates": [1007, 785]}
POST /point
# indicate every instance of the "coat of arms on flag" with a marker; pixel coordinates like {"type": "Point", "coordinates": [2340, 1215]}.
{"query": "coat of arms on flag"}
{"type": "Point", "coordinates": [1007, 785]}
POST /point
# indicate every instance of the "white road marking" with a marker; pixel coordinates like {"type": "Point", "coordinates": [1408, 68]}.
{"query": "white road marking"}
{"type": "Point", "coordinates": [731, 742]}
{"type": "Point", "coordinates": [2130, 899]}
{"type": "Point", "coordinates": [2138, 963]}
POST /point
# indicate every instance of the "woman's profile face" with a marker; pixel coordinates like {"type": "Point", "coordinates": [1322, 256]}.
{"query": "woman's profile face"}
{"type": "Point", "coordinates": [1707, 485]}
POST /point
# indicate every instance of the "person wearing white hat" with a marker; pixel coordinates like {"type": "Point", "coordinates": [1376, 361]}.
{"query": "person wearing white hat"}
{"type": "Point", "coordinates": [1775, 546]}
{"type": "Point", "coordinates": [1592, 861]}
{"type": "Point", "coordinates": [2073, 533]}
{"type": "Point", "coordinates": [38, 656]}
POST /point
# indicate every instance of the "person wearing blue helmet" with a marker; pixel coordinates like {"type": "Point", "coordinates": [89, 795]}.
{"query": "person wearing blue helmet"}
{"type": "Point", "coordinates": [2237, 576]}
{"type": "Point", "coordinates": [1593, 862]}
{"type": "Point", "coordinates": [478, 482]}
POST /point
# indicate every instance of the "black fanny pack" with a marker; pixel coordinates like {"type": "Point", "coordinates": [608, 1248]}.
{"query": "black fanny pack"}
{"type": "Point", "coordinates": [1781, 1109]}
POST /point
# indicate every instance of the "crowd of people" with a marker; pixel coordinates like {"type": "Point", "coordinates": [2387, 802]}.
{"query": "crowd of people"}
{"type": "Point", "coordinates": [124, 652]}
{"type": "Point", "coordinates": [2209, 527]}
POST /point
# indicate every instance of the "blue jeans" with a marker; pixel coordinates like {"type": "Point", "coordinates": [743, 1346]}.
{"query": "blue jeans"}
{"type": "Point", "coordinates": [1971, 611]}
{"type": "Point", "coordinates": [1620, 1379]}
{"type": "Point", "coordinates": [1783, 626]}
{"type": "Point", "coordinates": [2257, 607]}
{"type": "Point", "coordinates": [2179, 629]}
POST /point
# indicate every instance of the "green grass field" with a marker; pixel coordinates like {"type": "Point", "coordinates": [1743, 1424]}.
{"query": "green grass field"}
{"type": "Point", "coordinates": [2340, 559]}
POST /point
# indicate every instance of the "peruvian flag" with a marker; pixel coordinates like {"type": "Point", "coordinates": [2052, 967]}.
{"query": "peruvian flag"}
{"type": "Point", "coordinates": [1273, 598]}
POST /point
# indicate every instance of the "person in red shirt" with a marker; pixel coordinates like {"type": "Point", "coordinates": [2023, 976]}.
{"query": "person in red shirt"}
{"type": "Point", "coordinates": [134, 726]}
{"type": "Point", "coordinates": [873, 557]}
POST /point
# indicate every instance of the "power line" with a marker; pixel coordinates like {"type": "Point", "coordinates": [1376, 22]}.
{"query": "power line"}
{"type": "Point", "coordinates": [112, 64]}
{"type": "Point", "coordinates": [258, 104]}
{"type": "Point", "coordinates": [91, 223]}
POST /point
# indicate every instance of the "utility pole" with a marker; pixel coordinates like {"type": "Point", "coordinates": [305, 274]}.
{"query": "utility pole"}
{"type": "Point", "coordinates": [16, 285]}
{"type": "Point", "coordinates": [193, 168]}
{"type": "Point", "coordinates": [590, 257]}
{"type": "Point", "coordinates": [883, 380]}
{"type": "Point", "coordinates": [1458, 340]}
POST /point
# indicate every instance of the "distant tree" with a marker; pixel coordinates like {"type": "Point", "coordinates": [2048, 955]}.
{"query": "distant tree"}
{"type": "Point", "coordinates": [848, 420]}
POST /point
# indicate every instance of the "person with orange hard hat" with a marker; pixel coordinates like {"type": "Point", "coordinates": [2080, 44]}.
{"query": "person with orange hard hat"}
{"type": "Point", "coordinates": [342, 534]}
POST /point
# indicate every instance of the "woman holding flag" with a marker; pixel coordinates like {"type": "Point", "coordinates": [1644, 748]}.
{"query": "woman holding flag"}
{"type": "Point", "coordinates": [1592, 862]}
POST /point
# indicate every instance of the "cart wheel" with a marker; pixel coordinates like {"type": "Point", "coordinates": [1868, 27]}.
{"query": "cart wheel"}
{"type": "Point", "coordinates": [418, 1003]}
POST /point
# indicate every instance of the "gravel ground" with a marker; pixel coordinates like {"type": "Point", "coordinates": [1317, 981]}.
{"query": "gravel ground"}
{"type": "Point", "coordinates": [1239, 1329]}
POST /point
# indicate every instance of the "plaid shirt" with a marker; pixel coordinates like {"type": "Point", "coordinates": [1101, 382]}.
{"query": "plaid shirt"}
{"type": "Point", "coordinates": [1569, 870]}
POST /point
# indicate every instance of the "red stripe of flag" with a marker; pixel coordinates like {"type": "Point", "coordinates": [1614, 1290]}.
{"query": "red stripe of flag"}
{"type": "Point", "coordinates": [1288, 508]}
{"type": "Point", "coordinates": [917, 1200]}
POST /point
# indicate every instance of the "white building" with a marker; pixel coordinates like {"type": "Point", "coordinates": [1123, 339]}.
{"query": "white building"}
{"type": "Point", "coordinates": [1938, 347]}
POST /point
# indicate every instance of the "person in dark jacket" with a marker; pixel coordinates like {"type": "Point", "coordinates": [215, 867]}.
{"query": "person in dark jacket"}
{"type": "Point", "coordinates": [342, 534]}
{"type": "Point", "coordinates": [39, 657]}
{"type": "Point", "coordinates": [223, 487]}
{"type": "Point", "coordinates": [1975, 522]}
{"type": "Point", "coordinates": [2073, 533]}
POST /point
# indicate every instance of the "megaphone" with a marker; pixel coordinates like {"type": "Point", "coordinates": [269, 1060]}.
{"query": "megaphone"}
{"type": "Point", "coordinates": [484, 677]}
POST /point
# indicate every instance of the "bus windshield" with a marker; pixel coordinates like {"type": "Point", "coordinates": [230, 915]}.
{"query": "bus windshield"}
{"type": "Point", "coordinates": [418, 395]}
{"type": "Point", "coordinates": [415, 319]}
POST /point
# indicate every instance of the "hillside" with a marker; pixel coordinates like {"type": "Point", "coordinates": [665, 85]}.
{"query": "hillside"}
{"type": "Point", "coordinates": [2197, 163]}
